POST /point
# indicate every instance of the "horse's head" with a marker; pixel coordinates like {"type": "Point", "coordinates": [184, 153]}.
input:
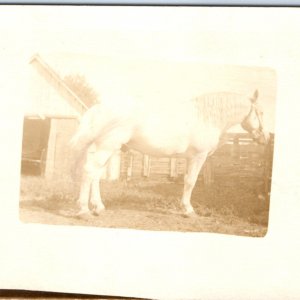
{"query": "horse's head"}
{"type": "Point", "coordinates": [253, 123]}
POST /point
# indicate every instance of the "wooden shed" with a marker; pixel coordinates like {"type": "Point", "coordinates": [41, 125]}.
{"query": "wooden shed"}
{"type": "Point", "coordinates": [51, 118]}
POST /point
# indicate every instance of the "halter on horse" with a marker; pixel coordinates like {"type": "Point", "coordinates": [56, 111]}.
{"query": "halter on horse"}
{"type": "Point", "coordinates": [192, 130]}
{"type": "Point", "coordinates": [253, 123]}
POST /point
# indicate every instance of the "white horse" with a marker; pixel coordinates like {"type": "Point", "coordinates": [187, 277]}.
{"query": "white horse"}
{"type": "Point", "coordinates": [191, 129]}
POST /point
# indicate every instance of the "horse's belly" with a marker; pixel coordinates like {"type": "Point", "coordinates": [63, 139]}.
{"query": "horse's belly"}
{"type": "Point", "coordinates": [160, 145]}
{"type": "Point", "coordinates": [171, 136]}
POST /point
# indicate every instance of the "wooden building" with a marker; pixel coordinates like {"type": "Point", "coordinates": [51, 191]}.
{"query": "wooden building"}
{"type": "Point", "coordinates": [51, 118]}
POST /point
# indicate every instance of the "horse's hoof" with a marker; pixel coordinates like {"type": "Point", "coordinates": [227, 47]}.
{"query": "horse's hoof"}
{"type": "Point", "coordinates": [75, 213]}
{"type": "Point", "coordinates": [82, 214]}
{"type": "Point", "coordinates": [97, 211]}
{"type": "Point", "coordinates": [96, 208]}
{"type": "Point", "coordinates": [191, 215]}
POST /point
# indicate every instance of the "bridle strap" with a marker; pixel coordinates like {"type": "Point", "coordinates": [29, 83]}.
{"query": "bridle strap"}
{"type": "Point", "coordinates": [260, 121]}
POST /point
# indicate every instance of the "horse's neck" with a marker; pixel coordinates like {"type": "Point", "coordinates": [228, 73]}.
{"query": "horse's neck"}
{"type": "Point", "coordinates": [223, 116]}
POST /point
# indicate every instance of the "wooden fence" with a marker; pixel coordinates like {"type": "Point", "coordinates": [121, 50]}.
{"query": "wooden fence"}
{"type": "Point", "coordinates": [238, 157]}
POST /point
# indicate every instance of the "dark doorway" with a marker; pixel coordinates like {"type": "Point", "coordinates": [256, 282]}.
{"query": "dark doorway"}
{"type": "Point", "coordinates": [34, 145]}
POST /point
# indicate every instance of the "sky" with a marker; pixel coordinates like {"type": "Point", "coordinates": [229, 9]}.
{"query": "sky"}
{"type": "Point", "coordinates": [155, 53]}
{"type": "Point", "coordinates": [169, 81]}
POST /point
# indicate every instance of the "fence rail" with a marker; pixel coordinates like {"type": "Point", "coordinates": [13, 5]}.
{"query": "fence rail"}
{"type": "Point", "coordinates": [238, 156]}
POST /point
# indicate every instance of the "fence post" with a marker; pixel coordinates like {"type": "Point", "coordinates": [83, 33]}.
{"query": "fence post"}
{"type": "Point", "coordinates": [130, 166]}
{"type": "Point", "coordinates": [146, 165]}
{"type": "Point", "coordinates": [236, 148]}
{"type": "Point", "coordinates": [173, 167]}
{"type": "Point", "coordinates": [113, 167]}
{"type": "Point", "coordinates": [208, 177]}
{"type": "Point", "coordinates": [51, 150]}
{"type": "Point", "coordinates": [268, 167]}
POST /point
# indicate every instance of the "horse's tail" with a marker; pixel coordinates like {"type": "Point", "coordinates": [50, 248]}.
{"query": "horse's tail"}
{"type": "Point", "coordinates": [79, 145]}
{"type": "Point", "coordinates": [95, 124]}
{"type": "Point", "coordinates": [86, 134]}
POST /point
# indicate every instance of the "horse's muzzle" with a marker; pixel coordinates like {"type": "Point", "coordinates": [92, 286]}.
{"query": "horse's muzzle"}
{"type": "Point", "coordinates": [261, 137]}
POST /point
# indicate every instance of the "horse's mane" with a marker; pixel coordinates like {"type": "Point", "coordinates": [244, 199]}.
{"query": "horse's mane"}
{"type": "Point", "coordinates": [222, 109]}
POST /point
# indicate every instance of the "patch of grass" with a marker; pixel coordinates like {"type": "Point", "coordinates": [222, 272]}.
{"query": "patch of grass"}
{"type": "Point", "coordinates": [227, 201]}
{"type": "Point", "coordinates": [37, 188]}
{"type": "Point", "coordinates": [236, 199]}
{"type": "Point", "coordinates": [142, 195]}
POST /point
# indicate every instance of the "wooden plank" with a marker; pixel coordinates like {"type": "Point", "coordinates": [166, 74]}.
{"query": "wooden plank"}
{"type": "Point", "coordinates": [129, 168]}
{"type": "Point", "coordinates": [63, 163]}
{"type": "Point", "coordinates": [146, 165]}
{"type": "Point", "coordinates": [236, 149]}
{"type": "Point", "coordinates": [58, 158]}
{"type": "Point", "coordinates": [51, 149]}
{"type": "Point", "coordinates": [173, 167]}
{"type": "Point", "coordinates": [208, 173]}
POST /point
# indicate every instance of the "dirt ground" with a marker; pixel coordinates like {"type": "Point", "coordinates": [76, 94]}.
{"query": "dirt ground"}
{"type": "Point", "coordinates": [230, 207]}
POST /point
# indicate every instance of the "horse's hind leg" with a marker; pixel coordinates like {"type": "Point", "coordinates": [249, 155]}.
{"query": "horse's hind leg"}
{"type": "Point", "coordinates": [96, 202]}
{"type": "Point", "coordinates": [90, 189]}
{"type": "Point", "coordinates": [83, 200]}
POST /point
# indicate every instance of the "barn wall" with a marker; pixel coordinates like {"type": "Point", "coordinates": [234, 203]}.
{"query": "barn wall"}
{"type": "Point", "coordinates": [51, 99]}
{"type": "Point", "coordinates": [59, 154]}
{"type": "Point", "coordinates": [46, 99]}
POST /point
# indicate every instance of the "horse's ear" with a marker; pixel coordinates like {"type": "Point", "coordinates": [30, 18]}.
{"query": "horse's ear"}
{"type": "Point", "coordinates": [254, 97]}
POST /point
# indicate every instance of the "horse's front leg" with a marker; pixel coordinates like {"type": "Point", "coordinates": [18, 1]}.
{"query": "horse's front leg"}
{"type": "Point", "coordinates": [194, 166]}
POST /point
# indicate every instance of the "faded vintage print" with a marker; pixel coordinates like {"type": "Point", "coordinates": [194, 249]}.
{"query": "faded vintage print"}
{"type": "Point", "coordinates": [142, 132]}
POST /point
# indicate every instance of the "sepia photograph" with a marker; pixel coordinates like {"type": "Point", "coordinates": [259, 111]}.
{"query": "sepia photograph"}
{"type": "Point", "coordinates": [186, 146]}
{"type": "Point", "coordinates": [150, 151]}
